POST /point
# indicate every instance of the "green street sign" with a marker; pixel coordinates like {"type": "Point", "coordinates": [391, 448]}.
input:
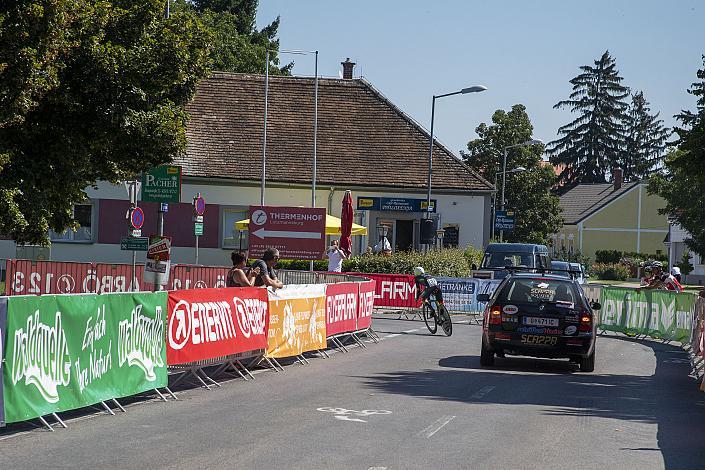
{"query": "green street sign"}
{"type": "Point", "coordinates": [198, 228]}
{"type": "Point", "coordinates": [162, 184]}
{"type": "Point", "coordinates": [134, 243]}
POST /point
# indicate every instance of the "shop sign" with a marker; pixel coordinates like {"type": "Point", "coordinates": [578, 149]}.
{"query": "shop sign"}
{"type": "Point", "coordinates": [394, 204]}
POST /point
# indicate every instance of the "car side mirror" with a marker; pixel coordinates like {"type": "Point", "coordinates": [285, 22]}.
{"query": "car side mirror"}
{"type": "Point", "coordinates": [483, 297]}
{"type": "Point", "coordinates": [595, 305]}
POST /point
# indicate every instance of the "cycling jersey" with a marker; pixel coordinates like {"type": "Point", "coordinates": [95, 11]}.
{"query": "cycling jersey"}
{"type": "Point", "coordinates": [426, 286]}
{"type": "Point", "coordinates": [670, 282]}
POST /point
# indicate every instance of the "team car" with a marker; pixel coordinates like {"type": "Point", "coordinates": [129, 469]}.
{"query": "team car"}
{"type": "Point", "coordinates": [539, 315]}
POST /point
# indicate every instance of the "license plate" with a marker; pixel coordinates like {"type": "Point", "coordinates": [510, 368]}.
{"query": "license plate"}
{"type": "Point", "coordinates": [540, 321]}
{"type": "Point", "coordinates": [539, 339]}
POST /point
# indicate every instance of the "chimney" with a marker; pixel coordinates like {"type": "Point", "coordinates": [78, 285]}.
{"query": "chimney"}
{"type": "Point", "coordinates": [617, 178]}
{"type": "Point", "coordinates": [348, 69]}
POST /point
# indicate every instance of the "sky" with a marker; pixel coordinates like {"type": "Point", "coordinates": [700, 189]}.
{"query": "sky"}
{"type": "Point", "coordinates": [523, 51]}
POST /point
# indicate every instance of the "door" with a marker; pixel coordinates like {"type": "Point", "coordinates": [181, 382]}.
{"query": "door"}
{"type": "Point", "coordinates": [404, 240]}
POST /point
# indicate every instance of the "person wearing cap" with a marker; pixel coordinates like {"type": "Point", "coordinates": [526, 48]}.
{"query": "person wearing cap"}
{"type": "Point", "coordinates": [663, 280]}
{"type": "Point", "coordinates": [676, 271]}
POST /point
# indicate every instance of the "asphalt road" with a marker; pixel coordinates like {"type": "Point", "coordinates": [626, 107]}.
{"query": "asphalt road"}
{"type": "Point", "coordinates": [411, 401]}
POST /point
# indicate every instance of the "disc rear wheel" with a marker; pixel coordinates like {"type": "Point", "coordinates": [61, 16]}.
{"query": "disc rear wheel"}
{"type": "Point", "coordinates": [446, 322]}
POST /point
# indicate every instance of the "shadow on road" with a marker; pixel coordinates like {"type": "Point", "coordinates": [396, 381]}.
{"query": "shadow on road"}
{"type": "Point", "coordinates": [668, 398]}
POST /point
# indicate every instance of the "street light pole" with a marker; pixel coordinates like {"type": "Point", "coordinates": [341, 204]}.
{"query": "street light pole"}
{"type": "Point", "coordinates": [504, 171]}
{"type": "Point", "coordinates": [472, 89]}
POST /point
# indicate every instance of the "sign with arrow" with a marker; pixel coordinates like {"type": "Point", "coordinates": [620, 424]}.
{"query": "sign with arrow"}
{"type": "Point", "coordinates": [297, 232]}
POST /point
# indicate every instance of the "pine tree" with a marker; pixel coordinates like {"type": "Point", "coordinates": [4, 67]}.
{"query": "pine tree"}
{"type": "Point", "coordinates": [591, 144]}
{"type": "Point", "coordinates": [645, 140]}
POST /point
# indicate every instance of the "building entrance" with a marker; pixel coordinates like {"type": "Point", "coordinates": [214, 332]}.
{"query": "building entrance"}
{"type": "Point", "coordinates": [404, 240]}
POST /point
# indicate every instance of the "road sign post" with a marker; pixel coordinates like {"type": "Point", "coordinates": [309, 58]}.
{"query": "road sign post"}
{"type": "Point", "coordinates": [199, 207]}
{"type": "Point", "coordinates": [297, 232]}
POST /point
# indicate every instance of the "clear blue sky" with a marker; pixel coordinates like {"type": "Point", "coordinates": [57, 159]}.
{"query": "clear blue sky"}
{"type": "Point", "coordinates": [524, 51]}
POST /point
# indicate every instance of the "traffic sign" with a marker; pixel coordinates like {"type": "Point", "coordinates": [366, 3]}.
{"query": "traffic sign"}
{"type": "Point", "coordinates": [162, 184]}
{"type": "Point", "coordinates": [137, 218]}
{"type": "Point", "coordinates": [199, 204]}
{"type": "Point", "coordinates": [198, 229]}
{"type": "Point", "coordinates": [297, 232]}
{"type": "Point", "coordinates": [504, 220]}
{"type": "Point", "coordinates": [134, 243]}
{"type": "Point", "coordinates": [198, 218]}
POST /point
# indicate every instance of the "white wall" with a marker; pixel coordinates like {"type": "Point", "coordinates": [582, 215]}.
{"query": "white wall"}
{"type": "Point", "coordinates": [467, 211]}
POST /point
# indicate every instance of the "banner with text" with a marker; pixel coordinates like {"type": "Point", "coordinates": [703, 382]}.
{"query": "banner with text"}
{"type": "Point", "coordinates": [366, 304]}
{"type": "Point", "coordinates": [297, 320]}
{"type": "Point", "coordinates": [69, 351]}
{"type": "Point", "coordinates": [656, 313]}
{"type": "Point", "coordinates": [341, 307]}
{"type": "Point", "coordinates": [3, 322]}
{"type": "Point", "coordinates": [211, 323]}
{"type": "Point", "coordinates": [393, 290]}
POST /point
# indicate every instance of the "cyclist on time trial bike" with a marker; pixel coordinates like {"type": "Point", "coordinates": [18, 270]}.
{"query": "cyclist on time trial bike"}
{"type": "Point", "coordinates": [426, 285]}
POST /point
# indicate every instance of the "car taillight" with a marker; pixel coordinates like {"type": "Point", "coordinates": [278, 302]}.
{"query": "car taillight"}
{"type": "Point", "coordinates": [496, 315]}
{"type": "Point", "coordinates": [585, 323]}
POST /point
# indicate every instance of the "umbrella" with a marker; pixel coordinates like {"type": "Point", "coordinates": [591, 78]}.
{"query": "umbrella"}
{"type": "Point", "coordinates": [346, 222]}
{"type": "Point", "coordinates": [333, 226]}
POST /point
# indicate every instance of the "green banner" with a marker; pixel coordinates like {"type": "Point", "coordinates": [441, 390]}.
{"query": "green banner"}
{"type": "Point", "coordinates": [69, 351]}
{"type": "Point", "coordinates": [657, 313]}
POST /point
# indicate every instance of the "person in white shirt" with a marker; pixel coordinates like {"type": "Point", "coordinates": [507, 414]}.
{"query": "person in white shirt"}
{"type": "Point", "coordinates": [335, 257]}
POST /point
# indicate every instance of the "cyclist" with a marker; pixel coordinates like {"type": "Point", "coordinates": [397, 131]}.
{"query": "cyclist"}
{"type": "Point", "coordinates": [426, 285]}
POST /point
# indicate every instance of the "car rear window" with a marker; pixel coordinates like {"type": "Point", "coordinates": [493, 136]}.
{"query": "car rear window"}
{"type": "Point", "coordinates": [534, 291]}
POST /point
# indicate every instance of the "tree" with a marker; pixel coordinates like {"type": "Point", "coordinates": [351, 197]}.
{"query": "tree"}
{"type": "Point", "coordinates": [682, 183]}
{"type": "Point", "coordinates": [591, 144]}
{"type": "Point", "coordinates": [89, 91]}
{"type": "Point", "coordinates": [645, 140]}
{"type": "Point", "coordinates": [237, 45]}
{"type": "Point", "coordinates": [537, 213]}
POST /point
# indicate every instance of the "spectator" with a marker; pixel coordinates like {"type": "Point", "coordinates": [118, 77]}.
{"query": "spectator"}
{"type": "Point", "coordinates": [267, 275]}
{"type": "Point", "coordinates": [383, 247]}
{"type": "Point", "coordinates": [335, 257]}
{"type": "Point", "coordinates": [676, 271]}
{"type": "Point", "coordinates": [237, 276]}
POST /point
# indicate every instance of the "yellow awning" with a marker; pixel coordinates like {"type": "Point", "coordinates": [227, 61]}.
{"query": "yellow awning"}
{"type": "Point", "coordinates": [332, 226]}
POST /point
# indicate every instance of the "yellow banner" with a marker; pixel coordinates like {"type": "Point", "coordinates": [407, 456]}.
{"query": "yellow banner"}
{"type": "Point", "coordinates": [297, 321]}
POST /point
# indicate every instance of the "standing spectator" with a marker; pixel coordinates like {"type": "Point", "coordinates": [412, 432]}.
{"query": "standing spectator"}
{"type": "Point", "coordinates": [237, 276]}
{"type": "Point", "coordinates": [676, 271]}
{"type": "Point", "coordinates": [335, 257]}
{"type": "Point", "coordinates": [267, 275]}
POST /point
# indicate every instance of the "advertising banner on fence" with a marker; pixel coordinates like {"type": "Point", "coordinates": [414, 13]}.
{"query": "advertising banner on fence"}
{"type": "Point", "coordinates": [656, 313]}
{"type": "Point", "coordinates": [210, 323]}
{"type": "Point", "coordinates": [67, 352]}
{"type": "Point", "coordinates": [3, 321]}
{"type": "Point", "coordinates": [297, 320]}
{"type": "Point", "coordinates": [341, 307]}
{"type": "Point", "coordinates": [393, 290]}
{"type": "Point", "coordinates": [460, 294]}
{"type": "Point", "coordinates": [198, 277]}
{"type": "Point", "coordinates": [366, 304]}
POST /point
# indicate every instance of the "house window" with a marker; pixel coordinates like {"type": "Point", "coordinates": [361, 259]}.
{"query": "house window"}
{"type": "Point", "coordinates": [83, 214]}
{"type": "Point", "coordinates": [232, 237]}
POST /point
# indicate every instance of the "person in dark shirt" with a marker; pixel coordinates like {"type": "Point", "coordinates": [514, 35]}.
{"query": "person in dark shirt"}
{"type": "Point", "coordinates": [267, 275]}
{"type": "Point", "coordinates": [237, 277]}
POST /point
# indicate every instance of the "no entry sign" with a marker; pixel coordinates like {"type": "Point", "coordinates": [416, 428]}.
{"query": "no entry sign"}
{"type": "Point", "coordinates": [297, 232]}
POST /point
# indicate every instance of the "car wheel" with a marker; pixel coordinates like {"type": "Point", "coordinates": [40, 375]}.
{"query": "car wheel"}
{"type": "Point", "coordinates": [486, 355]}
{"type": "Point", "coordinates": [587, 364]}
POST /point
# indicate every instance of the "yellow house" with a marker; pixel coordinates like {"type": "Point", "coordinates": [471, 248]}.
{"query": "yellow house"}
{"type": "Point", "coordinates": [612, 216]}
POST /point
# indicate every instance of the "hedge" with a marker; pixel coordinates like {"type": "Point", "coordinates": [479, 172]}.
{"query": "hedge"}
{"type": "Point", "coordinates": [610, 271]}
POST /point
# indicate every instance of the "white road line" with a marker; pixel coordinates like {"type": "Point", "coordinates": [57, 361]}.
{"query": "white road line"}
{"type": "Point", "coordinates": [436, 426]}
{"type": "Point", "coordinates": [482, 392]}
{"type": "Point", "coordinates": [411, 331]}
{"type": "Point", "coordinates": [393, 335]}
{"type": "Point", "coordinates": [377, 468]}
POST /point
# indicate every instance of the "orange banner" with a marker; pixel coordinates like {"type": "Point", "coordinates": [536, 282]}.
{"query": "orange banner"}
{"type": "Point", "coordinates": [297, 320]}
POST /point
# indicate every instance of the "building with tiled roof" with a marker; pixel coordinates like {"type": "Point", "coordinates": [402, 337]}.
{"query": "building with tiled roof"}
{"type": "Point", "coordinates": [611, 216]}
{"type": "Point", "coordinates": [365, 144]}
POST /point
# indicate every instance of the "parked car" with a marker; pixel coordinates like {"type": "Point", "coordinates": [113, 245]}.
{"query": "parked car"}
{"type": "Point", "coordinates": [539, 315]}
{"type": "Point", "coordinates": [570, 270]}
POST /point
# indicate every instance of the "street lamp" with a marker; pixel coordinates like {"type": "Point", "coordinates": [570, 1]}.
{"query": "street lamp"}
{"type": "Point", "coordinates": [464, 91]}
{"type": "Point", "coordinates": [504, 170]}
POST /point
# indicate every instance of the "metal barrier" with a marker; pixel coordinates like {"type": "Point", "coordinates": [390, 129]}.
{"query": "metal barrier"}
{"type": "Point", "coordinates": [3, 275]}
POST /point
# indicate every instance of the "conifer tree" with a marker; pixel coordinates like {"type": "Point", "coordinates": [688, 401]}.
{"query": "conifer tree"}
{"type": "Point", "coordinates": [645, 140]}
{"type": "Point", "coordinates": [590, 146]}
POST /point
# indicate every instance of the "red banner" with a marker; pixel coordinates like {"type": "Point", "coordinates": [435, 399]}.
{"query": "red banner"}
{"type": "Point", "coordinates": [341, 307]}
{"type": "Point", "coordinates": [366, 304]}
{"type": "Point", "coordinates": [198, 277]}
{"type": "Point", "coordinates": [393, 290]}
{"type": "Point", "coordinates": [210, 323]}
{"type": "Point", "coordinates": [47, 277]}
{"type": "Point", "coordinates": [116, 278]}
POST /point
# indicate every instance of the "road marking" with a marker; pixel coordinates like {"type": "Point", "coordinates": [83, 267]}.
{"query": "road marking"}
{"type": "Point", "coordinates": [410, 331]}
{"type": "Point", "coordinates": [482, 392]}
{"type": "Point", "coordinates": [436, 426]}
{"type": "Point", "coordinates": [348, 418]}
{"type": "Point", "coordinates": [377, 468]}
{"type": "Point", "coordinates": [393, 335]}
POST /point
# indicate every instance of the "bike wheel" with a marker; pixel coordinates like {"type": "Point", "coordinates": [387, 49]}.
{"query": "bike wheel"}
{"type": "Point", "coordinates": [446, 323]}
{"type": "Point", "coordinates": [430, 319]}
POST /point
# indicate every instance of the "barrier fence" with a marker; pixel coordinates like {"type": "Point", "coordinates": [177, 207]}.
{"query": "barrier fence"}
{"type": "Point", "coordinates": [64, 352]}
